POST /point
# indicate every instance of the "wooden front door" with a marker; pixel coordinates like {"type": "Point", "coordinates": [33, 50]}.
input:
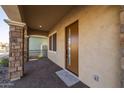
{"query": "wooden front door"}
{"type": "Point", "coordinates": [71, 46]}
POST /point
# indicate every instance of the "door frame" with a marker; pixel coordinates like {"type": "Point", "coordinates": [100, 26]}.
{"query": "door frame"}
{"type": "Point", "coordinates": [66, 48]}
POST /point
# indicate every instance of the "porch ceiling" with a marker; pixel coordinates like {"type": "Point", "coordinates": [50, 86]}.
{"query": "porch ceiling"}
{"type": "Point", "coordinates": [45, 15]}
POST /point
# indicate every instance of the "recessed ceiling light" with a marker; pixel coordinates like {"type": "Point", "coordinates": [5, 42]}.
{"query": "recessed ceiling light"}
{"type": "Point", "coordinates": [40, 26]}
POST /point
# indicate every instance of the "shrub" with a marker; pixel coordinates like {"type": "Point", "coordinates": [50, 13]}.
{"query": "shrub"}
{"type": "Point", "coordinates": [4, 62]}
{"type": "Point", "coordinates": [40, 56]}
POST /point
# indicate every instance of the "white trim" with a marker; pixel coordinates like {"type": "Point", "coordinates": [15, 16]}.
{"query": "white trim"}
{"type": "Point", "coordinates": [52, 51]}
{"type": "Point", "coordinates": [26, 36]}
{"type": "Point", "coordinates": [55, 32]}
{"type": "Point", "coordinates": [15, 23]}
{"type": "Point", "coordinates": [52, 43]}
{"type": "Point", "coordinates": [52, 33]}
{"type": "Point", "coordinates": [38, 36]}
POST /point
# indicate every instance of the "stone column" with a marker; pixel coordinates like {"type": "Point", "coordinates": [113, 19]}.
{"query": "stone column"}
{"type": "Point", "coordinates": [26, 46]}
{"type": "Point", "coordinates": [16, 53]}
{"type": "Point", "coordinates": [122, 43]}
{"type": "Point", "coordinates": [122, 35]}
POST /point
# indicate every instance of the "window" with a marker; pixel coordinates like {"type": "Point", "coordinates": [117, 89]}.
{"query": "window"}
{"type": "Point", "coordinates": [52, 42]}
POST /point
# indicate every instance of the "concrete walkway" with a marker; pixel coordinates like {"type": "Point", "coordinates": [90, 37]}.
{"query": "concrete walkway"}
{"type": "Point", "coordinates": [41, 74]}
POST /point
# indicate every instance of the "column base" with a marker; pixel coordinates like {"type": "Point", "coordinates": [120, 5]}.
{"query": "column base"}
{"type": "Point", "coordinates": [14, 79]}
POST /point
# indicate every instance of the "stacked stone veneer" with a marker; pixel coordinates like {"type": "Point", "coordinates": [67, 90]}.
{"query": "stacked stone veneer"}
{"type": "Point", "coordinates": [25, 46]}
{"type": "Point", "coordinates": [122, 36]}
{"type": "Point", "coordinates": [122, 41]}
{"type": "Point", "coordinates": [16, 53]}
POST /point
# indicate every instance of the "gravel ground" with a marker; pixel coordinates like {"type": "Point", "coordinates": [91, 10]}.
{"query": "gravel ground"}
{"type": "Point", "coordinates": [4, 81]}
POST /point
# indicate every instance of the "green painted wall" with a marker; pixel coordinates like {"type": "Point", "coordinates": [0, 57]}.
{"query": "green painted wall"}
{"type": "Point", "coordinates": [36, 42]}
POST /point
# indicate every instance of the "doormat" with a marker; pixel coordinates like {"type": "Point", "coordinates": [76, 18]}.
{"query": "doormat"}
{"type": "Point", "coordinates": [67, 78]}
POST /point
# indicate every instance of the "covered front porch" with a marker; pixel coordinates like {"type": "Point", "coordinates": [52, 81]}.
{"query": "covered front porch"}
{"type": "Point", "coordinates": [85, 40]}
{"type": "Point", "coordinates": [41, 74]}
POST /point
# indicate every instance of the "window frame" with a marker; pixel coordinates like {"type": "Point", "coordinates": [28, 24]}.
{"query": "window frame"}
{"type": "Point", "coordinates": [53, 42]}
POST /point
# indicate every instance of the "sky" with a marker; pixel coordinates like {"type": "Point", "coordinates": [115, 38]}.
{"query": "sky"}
{"type": "Point", "coordinates": [4, 28]}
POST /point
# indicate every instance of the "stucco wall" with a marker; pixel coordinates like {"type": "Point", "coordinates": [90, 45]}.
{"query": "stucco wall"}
{"type": "Point", "coordinates": [98, 44]}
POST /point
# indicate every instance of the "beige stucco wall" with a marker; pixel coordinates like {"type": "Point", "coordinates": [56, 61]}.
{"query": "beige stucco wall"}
{"type": "Point", "coordinates": [98, 44]}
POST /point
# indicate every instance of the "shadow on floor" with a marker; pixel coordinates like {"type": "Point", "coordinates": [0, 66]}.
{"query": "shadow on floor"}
{"type": "Point", "coordinates": [41, 74]}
